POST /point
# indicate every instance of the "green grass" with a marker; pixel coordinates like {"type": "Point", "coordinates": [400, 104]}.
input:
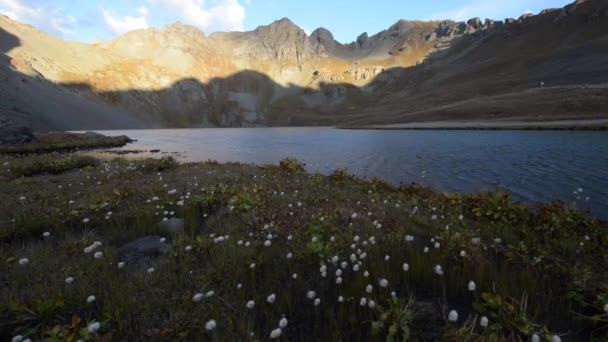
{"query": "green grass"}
{"type": "Point", "coordinates": [57, 142]}
{"type": "Point", "coordinates": [547, 275]}
{"type": "Point", "coordinates": [40, 164]}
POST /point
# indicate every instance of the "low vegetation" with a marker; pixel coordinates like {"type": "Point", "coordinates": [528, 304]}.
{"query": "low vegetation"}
{"type": "Point", "coordinates": [61, 142]}
{"type": "Point", "coordinates": [273, 252]}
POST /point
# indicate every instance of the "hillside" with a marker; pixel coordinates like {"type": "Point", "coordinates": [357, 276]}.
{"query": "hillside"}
{"type": "Point", "coordinates": [278, 75]}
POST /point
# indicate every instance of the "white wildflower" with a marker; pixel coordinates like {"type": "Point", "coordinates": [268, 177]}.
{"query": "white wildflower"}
{"type": "Point", "coordinates": [483, 322]}
{"type": "Point", "coordinates": [383, 282]}
{"type": "Point", "coordinates": [472, 286]}
{"type": "Point", "coordinates": [210, 325]}
{"type": "Point", "coordinates": [93, 327]}
{"type": "Point", "coordinates": [311, 294]}
{"type": "Point", "coordinates": [24, 261]}
{"type": "Point", "coordinates": [69, 280]}
{"type": "Point", "coordinates": [453, 316]}
{"type": "Point", "coordinates": [405, 266]}
{"type": "Point", "coordinates": [438, 270]}
{"type": "Point", "coordinates": [276, 333]}
{"type": "Point", "coordinates": [91, 299]}
{"type": "Point", "coordinates": [198, 297]}
{"type": "Point", "coordinates": [271, 298]}
{"type": "Point", "coordinates": [250, 304]}
{"type": "Point", "coordinates": [283, 323]}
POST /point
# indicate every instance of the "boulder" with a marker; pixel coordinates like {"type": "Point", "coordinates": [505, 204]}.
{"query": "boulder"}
{"type": "Point", "coordinates": [143, 253]}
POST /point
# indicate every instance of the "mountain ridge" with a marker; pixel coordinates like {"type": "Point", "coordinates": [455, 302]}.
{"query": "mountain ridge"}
{"type": "Point", "coordinates": [177, 76]}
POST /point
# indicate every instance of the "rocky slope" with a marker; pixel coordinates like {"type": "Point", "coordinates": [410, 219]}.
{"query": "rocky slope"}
{"type": "Point", "coordinates": [278, 75]}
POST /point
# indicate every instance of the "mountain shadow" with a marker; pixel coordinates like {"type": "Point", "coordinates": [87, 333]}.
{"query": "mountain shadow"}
{"type": "Point", "coordinates": [542, 67]}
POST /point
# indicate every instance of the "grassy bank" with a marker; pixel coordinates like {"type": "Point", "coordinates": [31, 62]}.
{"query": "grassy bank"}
{"type": "Point", "coordinates": [65, 142]}
{"type": "Point", "coordinates": [340, 258]}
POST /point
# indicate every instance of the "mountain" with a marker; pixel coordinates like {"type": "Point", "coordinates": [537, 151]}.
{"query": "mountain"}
{"type": "Point", "coordinates": [537, 67]}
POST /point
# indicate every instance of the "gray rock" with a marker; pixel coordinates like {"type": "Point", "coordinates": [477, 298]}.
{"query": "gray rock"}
{"type": "Point", "coordinates": [474, 24]}
{"type": "Point", "coordinates": [14, 133]}
{"type": "Point", "coordinates": [173, 225]}
{"type": "Point", "coordinates": [143, 253]}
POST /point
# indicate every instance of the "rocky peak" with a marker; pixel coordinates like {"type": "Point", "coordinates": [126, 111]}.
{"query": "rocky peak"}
{"type": "Point", "coordinates": [363, 37]}
{"type": "Point", "coordinates": [279, 25]}
{"type": "Point", "coordinates": [179, 29]}
{"type": "Point", "coordinates": [322, 35]}
{"type": "Point", "coordinates": [323, 42]}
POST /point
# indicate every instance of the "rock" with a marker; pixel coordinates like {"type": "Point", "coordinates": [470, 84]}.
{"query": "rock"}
{"type": "Point", "coordinates": [509, 21]}
{"type": "Point", "coordinates": [362, 38]}
{"type": "Point", "coordinates": [173, 225]}
{"type": "Point", "coordinates": [14, 133]}
{"type": "Point", "coordinates": [473, 25]}
{"type": "Point", "coordinates": [143, 253]}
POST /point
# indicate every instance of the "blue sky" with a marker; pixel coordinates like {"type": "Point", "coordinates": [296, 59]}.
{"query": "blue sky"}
{"type": "Point", "coordinates": [91, 20]}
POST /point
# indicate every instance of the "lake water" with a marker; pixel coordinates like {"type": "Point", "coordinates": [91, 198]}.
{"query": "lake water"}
{"type": "Point", "coordinates": [535, 166]}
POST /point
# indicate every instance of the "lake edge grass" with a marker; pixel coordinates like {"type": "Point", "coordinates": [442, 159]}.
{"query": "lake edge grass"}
{"type": "Point", "coordinates": [545, 254]}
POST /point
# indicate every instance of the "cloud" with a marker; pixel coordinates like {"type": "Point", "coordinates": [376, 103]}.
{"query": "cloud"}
{"type": "Point", "coordinates": [496, 9]}
{"type": "Point", "coordinates": [225, 15]}
{"type": "Point", "coordinates": [125, 24]}
{"type": "Point", "coordinates": [51, 20]}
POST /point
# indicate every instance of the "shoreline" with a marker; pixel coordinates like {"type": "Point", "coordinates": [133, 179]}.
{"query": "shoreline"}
{"type": "Point", "coordinates": [134, 243]}
{"type": "Point", "coordinates": [558, 125]}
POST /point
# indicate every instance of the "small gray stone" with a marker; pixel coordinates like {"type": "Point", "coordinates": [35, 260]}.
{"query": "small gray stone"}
{"type": "Point", "coordinates": [143, 253]}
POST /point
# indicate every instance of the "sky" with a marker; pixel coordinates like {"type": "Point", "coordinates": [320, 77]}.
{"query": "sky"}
{"type": "Point", "coordinates": [92, 20]}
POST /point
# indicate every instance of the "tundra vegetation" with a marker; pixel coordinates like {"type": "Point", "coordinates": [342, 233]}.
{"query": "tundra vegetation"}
{"type": "Point", "coordinates": [247, 252]}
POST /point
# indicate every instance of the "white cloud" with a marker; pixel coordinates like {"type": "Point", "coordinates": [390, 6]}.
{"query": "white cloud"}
{"type": "Point", "coordinates": [125, 24]}
{"type": "Point", "coordinates": [224, 15]}
{"type": "Point", "coordinates": [496, 9]}
{"type": "Point", "coordinates": [51, 20]}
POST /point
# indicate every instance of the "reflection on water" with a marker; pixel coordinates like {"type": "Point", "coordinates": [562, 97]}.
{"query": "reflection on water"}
{"type": "Point", "coordinates": [534, 166]}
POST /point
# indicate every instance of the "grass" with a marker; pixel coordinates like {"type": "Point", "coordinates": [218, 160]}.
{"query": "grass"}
{"type": "Point", "coordinates": [59, 141]}
{"type": "Point", "coordinates": [537, 271]}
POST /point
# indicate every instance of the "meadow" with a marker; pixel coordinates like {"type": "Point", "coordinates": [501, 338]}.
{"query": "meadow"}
{"type": "Point", "coordinates": [156, 250]}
